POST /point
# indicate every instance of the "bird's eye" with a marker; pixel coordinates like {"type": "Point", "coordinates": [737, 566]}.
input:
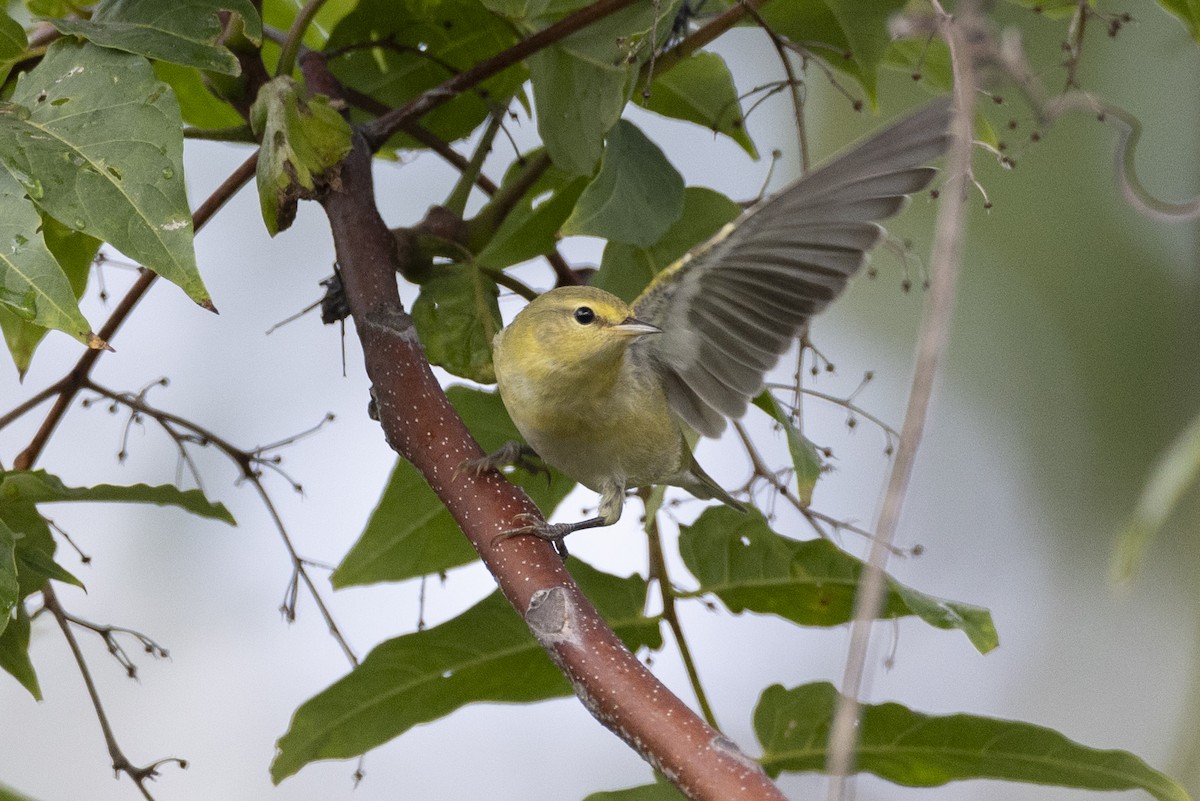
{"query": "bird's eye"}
{"type": "Point", "coordinates": [584, 315]}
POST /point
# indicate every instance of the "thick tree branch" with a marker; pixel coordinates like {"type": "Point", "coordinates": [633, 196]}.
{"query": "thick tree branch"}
{"type": "Point", "coordinates": [422, 426]}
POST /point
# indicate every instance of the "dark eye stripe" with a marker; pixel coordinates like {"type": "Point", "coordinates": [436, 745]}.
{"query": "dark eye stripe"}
{"type": "Point", "coordinates": [584, 315]}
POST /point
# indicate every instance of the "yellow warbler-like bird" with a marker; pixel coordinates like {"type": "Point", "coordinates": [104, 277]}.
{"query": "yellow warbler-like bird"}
{"type": "Point", "coordinates": [601, 389]}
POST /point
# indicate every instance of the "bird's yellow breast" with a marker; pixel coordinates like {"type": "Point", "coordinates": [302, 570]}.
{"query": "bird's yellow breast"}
{"type": "Point", "coordinates": [598, 420]}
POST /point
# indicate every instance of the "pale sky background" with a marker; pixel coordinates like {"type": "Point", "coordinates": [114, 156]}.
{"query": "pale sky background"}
{"type": "Point", "coordinates": [1071, 365]}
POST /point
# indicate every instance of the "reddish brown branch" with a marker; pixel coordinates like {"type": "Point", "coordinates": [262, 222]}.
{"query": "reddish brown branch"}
{"type": "Point", "coordinates": [379, 129]}
{"type": "Point", "coordinates": [421, 425]}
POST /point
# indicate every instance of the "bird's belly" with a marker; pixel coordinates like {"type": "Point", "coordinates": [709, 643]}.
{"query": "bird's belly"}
{"type": "Point", "coordinates": [597, 441]}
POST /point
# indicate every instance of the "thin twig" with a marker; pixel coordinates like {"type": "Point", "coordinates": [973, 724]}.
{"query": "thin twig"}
{"type": "Point", "coordinates": [120, 762]}
{"type": "Point", "coordinates": [248, 462]}
{"type": "Point", "coordinates": [931, 346]}
{"type": "Point", "coordinates": [71, 383]}
{"type": "Point", "coordinates": [666, 591]}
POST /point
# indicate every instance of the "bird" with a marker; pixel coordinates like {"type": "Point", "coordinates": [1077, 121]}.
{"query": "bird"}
{"type": "Point", "coordinates": [604, 390]}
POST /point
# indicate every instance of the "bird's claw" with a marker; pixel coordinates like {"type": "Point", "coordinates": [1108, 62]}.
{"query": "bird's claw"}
{"type": "Point", "coordinates": [537, 526]}
{"type": "Point", "coordinates": [511, 454]}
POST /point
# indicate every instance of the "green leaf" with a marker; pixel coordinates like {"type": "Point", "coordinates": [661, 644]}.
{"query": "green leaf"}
{"type": "Point", "coordinates": [34, 290]}
{"type": "Point", "coordinates": [849, 35]}
{"type": "Point", "coordinates": [637, 195]}
{"type": "Point", "coordinates": [74, 253]}
{"type": "Point", "coordinates": [38, 486]}
{"type": "Point", "coordinates": [659, 791]}
{"type": "Point", "coordinates": [427, 43]}
{"type": "Point", "coordinates": [1176, 470]}
{"type": "Point", "coordinates": [14, 655]}
{"type": "Point", "coordinates": [530, 231]}
{"type": "Point", "coordinates": [581, 84]}
{"type": "Point", "coordinates": [282, 13]}
{"type": "Point", "coordinates": [12, 44]}
{"type": "Point", "coordinates": [97, 142]}
{"type": "Point", "coordinates": [35, 547]}
{"type": "Point", "coordinates": [304, 140]}
{"type": "Point", "coordinates": [9, 588]}
{"type": "Point", "coordinates": [1188, 12]}
{"type": "Point", "coordinates": [700, 89]}
{"type": "Point", "coordinates": [410, 532]}
{"type": "Point", "coordinates": [198, 106]}
{"type": "Point", "coordinates": [182, 33]}
{"type": "Point", "coordinates": [484, 654]}
{"type": "Point", "coordinates": [625, 270]}
{"type": "Point", "coordinates": [917, 750]}
{"type": "Point", "coordinates": [749, 567]}
{"type": "Point", "coordinates": [457, 316]}
{"type": "Point", "coordinates": [806, 459]}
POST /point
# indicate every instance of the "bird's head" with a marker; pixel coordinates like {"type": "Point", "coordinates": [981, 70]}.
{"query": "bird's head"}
{"type": "Point", "coordinates": [582, 327]}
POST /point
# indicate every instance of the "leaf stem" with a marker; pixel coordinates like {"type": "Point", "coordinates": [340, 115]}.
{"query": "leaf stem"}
{"type": "Point", "coordinates": [295, 36]}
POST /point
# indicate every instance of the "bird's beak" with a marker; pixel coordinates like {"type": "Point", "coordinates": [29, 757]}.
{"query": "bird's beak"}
{"type": "Point", "coordinates": [633, 327]}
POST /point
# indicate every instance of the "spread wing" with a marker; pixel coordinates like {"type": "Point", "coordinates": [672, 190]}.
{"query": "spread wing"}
{"type": "Point", "coordinates": [729, 310]}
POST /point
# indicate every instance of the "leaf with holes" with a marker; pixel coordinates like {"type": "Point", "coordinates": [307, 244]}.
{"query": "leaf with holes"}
{"type": "Point", "coordinates": [739, 559]}
{"type": "Point", "coordinates": [97, 143]}
{"type": "Point", "coordinates": [180, 32]}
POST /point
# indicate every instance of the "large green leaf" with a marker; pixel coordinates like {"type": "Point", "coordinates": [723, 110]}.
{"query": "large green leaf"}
{"type": "Point", "coordinates": [806, 460]}
{"type": "Point", "coordinates": [304, 140]}
{"type": "Point", "coordinates": [581, 84]}
{"type": "Point", "coordinates": [14, 653]}
{"type": "Point", "coordinates": [700, 89]}
{"type": "Point", "coordinates": [38, 486]}
{"type": "Point", "coordinates": [12, 44]}
{"type": "Point", "coordinates": [917, 750]}
{"type": "Point", "coordinates": [97, 142]}
{"type": "Point", "coordinates": [739, 559]}
{"type": "Point", "coordinates": [625, 270]}
{"type": "Point", "coordinates": [410, 532]}
{"type": "Point", "coordinates": [457, 315]}
{"type": "Point", "coordinates": [636, 196]}
{"type": "Point", "coordinates": [34, 290]}
{"type": "Point", "coordinates": [421, 45]}
{"type": "Point", "coordinates": [74, 253]}
{"type": "Point", "coordinates": [180, 32]}
{"type": "Point", "coordinates": [484, 654]}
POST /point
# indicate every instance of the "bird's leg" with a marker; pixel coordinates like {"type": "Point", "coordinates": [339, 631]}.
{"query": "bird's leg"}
{"type": "Point", "coordinates": [612, 502]}
{"type": "Point", "coordinates": [510, 454]}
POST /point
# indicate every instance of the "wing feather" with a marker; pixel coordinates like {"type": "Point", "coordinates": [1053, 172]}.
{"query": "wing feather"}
{"type": "Point", "coordinates": [732, 307]}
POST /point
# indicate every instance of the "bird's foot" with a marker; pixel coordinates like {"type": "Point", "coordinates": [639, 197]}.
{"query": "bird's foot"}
{"type": "Point", "coordinates": [511, 454]}
{"type": "Point", "coordinates": [536, 526]}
